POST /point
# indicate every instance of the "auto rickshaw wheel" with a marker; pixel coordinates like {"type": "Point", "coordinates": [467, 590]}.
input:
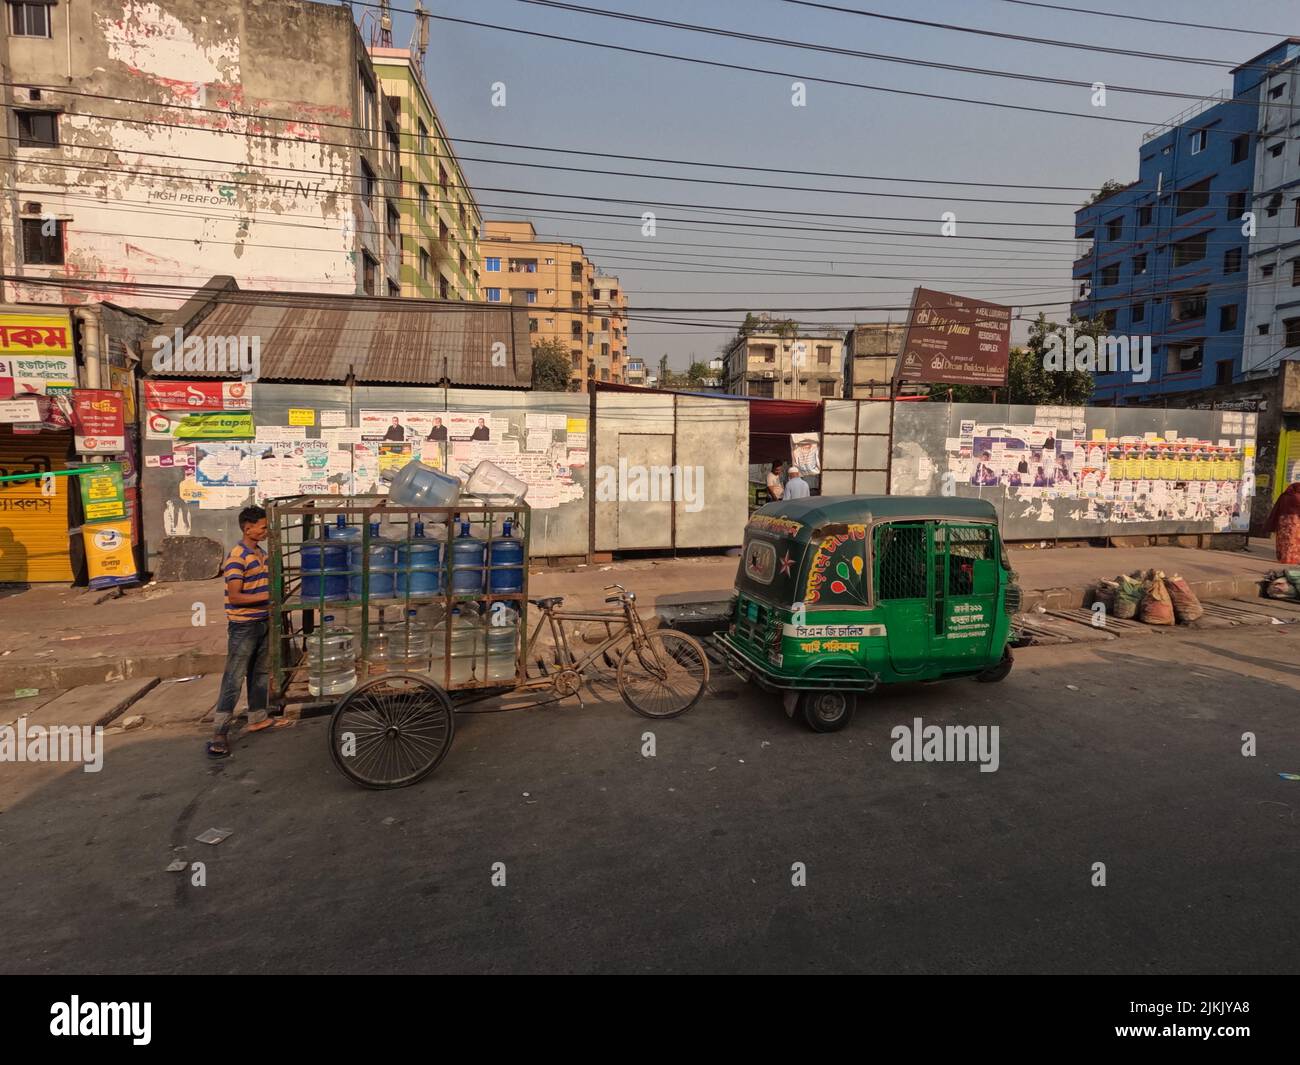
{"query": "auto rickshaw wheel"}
{"type": "Point", "coordinates": [827, 711]}
{"type": "Point", "coordinates": [996, 673]}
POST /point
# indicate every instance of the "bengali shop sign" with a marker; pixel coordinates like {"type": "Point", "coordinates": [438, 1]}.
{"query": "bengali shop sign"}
{"type": "Point", "coordinates": [198, 395]}
{"type": "Point", "coordinates": [98, 421]}
{"type": "Point", "coordinates": [954, 340]}
{"type": "Point", "coordinates": [28, 334]}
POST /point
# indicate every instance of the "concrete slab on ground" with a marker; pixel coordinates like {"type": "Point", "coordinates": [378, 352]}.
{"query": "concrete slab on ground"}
{"type": "Point", "coordinates": [12, 709]}
{"type": "Point", "coordinates": [173, 701]}
{"type": "Point", "coordinates": [93, 704]}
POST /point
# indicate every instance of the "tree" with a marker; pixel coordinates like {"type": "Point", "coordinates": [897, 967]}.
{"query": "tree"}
{"type": "Point", "coordinates": [552, 366]}
{"type": "Point", "coordinates": [1108, 187]}
{"type": "Point", "coordinates": [698, 373]}
{"type": "Point", "coordinates": [1028, 379]}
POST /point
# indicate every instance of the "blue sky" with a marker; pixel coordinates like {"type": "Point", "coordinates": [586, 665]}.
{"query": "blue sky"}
{"type": "Point", "coordinates": [567, 95]}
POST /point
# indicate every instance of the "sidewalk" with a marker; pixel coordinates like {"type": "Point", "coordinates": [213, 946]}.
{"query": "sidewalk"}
{"type": "Point", "coordinates": [59, 638]}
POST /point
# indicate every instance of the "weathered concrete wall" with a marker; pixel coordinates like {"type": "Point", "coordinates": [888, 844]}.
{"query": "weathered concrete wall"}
{"type": "Point", "coordinates": [702, 503]}
{"type": "Point", "coordinates": [183, 186]}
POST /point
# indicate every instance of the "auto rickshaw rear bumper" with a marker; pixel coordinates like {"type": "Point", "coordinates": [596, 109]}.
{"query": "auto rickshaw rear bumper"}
{"type": "Point", "coordinates": [832, 676]}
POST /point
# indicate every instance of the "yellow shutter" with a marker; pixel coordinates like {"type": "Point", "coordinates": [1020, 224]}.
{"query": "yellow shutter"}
{"type": "Point", "coordinates": [34, 526]}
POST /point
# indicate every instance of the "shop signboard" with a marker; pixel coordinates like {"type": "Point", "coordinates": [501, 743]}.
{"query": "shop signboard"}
{"type": "Point", "coordinates": [103, 496]}
{"type": "Point", "coordinates": [98, 421]}
{"type": "Point", "coordinates": [197, 395]}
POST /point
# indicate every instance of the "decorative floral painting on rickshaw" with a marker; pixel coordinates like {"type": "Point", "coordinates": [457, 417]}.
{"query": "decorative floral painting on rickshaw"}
{"type": "Point", "coordinates": [836, 571]}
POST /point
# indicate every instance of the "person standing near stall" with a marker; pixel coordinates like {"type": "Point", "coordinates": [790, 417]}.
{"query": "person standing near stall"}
{"type": "Point", "coordinates": [248, 597]}
{"type": "Point", "coordinates": [795, 486]}
{"type": "Point", "coordinates": [1284, 522]}
{"type": "Point", "coordinates": [775, 489]}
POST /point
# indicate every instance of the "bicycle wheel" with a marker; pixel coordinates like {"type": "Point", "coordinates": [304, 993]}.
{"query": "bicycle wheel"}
{"type": "Point", "coordinates": [663, 676]}
{"type": "Point", "coordinates": [392, 731]}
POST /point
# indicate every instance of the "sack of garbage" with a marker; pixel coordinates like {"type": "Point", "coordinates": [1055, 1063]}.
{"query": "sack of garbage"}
{"type": "Point", "coordinates": [1187, 607]}
{"type": "Point", "coordinates": [1156, 607]}
{"type": "Point", "coordinates": [1292, 574]}
{"type": "Point", "coordinates": [1103, 592]}
{"type": "Point", "coordinates": [1281, 588]}
{"type": "Point", "coordinates": [1128, 594]}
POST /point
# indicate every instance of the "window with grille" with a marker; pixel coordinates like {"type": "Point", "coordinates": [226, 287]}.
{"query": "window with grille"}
{"type": "Point", "coordinates": [900, 562]}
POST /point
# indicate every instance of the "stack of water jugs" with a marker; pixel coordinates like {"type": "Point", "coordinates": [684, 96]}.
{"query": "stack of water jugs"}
{"type": "Point", "coordinates": [483, 633]}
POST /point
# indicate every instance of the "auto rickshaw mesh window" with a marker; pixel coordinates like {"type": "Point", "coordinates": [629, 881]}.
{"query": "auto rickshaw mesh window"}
{"type": "Point", "coordinates": [962, 546]}
{"type": "Point", "coordinates": [900, 562]}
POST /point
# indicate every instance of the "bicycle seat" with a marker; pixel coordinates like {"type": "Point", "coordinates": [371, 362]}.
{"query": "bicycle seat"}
{"type": "Point", "coordinates": [547, 603]}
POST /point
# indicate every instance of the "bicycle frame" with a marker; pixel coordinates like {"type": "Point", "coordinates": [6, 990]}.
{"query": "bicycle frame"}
{"type": "Point", "coordinates": [631, 626]}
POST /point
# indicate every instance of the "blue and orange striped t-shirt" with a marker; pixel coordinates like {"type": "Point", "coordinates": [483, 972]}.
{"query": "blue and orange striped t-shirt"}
{"type": "Point", "coordinates": [250, 567]}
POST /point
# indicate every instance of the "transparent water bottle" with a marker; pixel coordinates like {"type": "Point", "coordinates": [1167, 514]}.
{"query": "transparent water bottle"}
{"type": "Point", "coordinates": [410, 641]}
{"type": "Point", "coordinates": [331, 659]}
{"type": "Point", "coordinates": [379, 651]}
{"type": "Point", "coordinates": [418, 485]}
{"type": "Point", "coordinates": [489, 479]}
{"type": "Point", "coordinates": [501, 640]}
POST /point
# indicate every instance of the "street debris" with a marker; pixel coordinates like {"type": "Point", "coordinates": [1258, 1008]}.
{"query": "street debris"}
{"type": "Point", "coordinates": [26, 693]}
{"type": "Point", "coordinates": [177, 866]}
{"type": "Point", "coordinates": [134, 721]}
{"type": "Point", "coordinates": [1289, 776]}
{"type": "Point", "coordinates": [214, 836]}
{"type": "Point", "coordinates": [1073, 687]}
{"type": "Point", "coordinates": [389, 821]}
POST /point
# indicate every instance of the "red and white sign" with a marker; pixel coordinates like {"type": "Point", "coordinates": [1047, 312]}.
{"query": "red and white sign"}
{"type": "Point", "coordinates": [197, 395]}
{"type": "Point", "coordinates": [98, 421]}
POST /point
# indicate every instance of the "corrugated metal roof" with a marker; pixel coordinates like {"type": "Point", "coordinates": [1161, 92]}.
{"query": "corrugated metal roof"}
{"type": "Point", "coordinates": [388, 341]}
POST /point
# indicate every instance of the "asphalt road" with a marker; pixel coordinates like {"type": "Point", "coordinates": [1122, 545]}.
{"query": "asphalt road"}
{"type": "Point", "coordinates": [682, 862]}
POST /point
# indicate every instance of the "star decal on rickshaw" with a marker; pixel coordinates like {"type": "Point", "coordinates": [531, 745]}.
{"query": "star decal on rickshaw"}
{"type": "Point", "coordinates": [786, 563]}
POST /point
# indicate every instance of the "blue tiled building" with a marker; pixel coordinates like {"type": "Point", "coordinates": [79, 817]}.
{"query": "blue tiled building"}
{"type": "Point", "coordinates": [1166, 257]}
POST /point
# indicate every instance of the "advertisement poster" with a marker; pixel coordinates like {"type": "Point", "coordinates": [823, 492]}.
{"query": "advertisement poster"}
{"type": "Point", "coordinates": [206, 426]}
{"type": "Point", "coordinates": [805, 452]}
{"type": "Point", "coordinates": [103, 495]}
{"type": "Point", "coordinates": [122, 380]}
{"type": "Point", "coordinates": [98, 421]}
{"type": "Point", "coordinates": [468, 426]}
{"type": "Point", "coordinates": [222, 464]}
{"type": "Point", "coordinates": [1115, 479]}
{"type": "Point", "coordinates": [198, 395]}
{"type": "Point", "coordinates": [955, 340]}
{"type": "Point", "coordinates": [35, 375]}
{"type": "Point", "coordinates": [392, 457]}
{"type": "Point", "coordinates": [109, 557]}
{"type": "Point", "coordinates": [383, 425]}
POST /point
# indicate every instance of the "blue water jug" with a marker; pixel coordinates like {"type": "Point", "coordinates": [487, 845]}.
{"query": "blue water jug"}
{"type": "Point", "coordinates": [467, 554]}
{"type": "Point", "coordinates": [324, 570]}
{"type": "Point", "coordinates": [419, 569]}
{"type": "Point", "coordinates": [341, 531]}
{"type": "Point", "coordinates": [382, 555]}
{"type": "Point", "coordinates": [507, 562]}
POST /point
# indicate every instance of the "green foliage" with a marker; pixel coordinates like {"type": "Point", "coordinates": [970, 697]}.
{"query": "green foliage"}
{"type": "Point", "coordinates": [1109, 186]}
{"type": "Point", "coordinates": [1027, 380]}
{"type": "Point", "coordinates": [698, 373]}
{"type": "Point", "coordinates": [552, 366]}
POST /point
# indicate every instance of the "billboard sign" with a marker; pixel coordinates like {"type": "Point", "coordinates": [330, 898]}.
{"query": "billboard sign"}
{"type": "Point", "coordinates": [955, 340]}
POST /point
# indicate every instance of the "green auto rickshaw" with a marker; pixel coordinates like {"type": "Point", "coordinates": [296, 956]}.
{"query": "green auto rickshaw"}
{"type": "Point", "coordinates": [836, 595]}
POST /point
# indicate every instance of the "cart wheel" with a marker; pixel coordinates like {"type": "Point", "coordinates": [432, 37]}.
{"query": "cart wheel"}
{"type": "Point", "coordinates": [664, 676]}
{"type": "Point", "coordinates": [826, 711]}
{"type": "Point", "coordinates": [996, 673]}
{"type": "Point", "coordinates": [392, 731]}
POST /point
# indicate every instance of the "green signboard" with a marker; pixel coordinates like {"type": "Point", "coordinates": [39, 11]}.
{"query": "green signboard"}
{"type": "Point", "coordinates": [215, 425]}
{"type": "Point", "coordinates": [102, 495]}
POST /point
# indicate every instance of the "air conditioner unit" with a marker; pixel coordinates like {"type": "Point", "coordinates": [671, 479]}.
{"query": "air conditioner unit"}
{"type": "Point", "coordinates": [769, 375]}
{"type": "Point", "coordinates": [31, 207]}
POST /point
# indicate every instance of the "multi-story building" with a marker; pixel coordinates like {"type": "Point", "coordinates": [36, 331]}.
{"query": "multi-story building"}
{"type": "Point", "coordinates": [785, 365]}
{"type": "Point", "coordinates": [565, 301]}
{"type": "Point", "coordinates": [634, 371]}
{"type": "Point", "coordinates": [167, 142]}
{"type": "Point", "coordinates": [1165, 258]}
{"type": "Point", "coordinates": [870, 357]}
{"type": "Point", "coordinates": [436, 214]}
{"type": "Point", "coordinates": [1273, 306]}
{"type": "Point", "coordinates": [609, 316]}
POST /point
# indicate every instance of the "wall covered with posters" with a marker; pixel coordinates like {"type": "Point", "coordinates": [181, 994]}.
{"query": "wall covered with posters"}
{"type": "Point", "coordinates": [211, 448]}
{"type": "Point", "coordinates": [1082, 471]}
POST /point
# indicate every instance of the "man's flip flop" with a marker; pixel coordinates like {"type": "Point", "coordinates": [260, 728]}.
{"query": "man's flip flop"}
{"type": "Point", "coordinates": [217, 751]}
{"type": "Point", "coordinates": [275, 723]}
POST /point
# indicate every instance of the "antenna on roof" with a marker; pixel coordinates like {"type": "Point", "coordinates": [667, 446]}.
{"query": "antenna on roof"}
{"type": "Point", "coordinates": [385, 25]}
